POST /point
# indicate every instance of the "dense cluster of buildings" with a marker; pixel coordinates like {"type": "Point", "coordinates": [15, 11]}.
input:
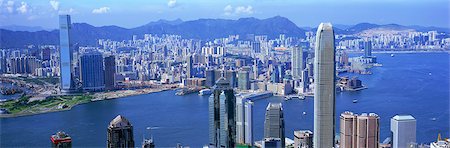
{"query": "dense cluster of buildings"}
{"type": "Point", "coordinates": [255, 63]}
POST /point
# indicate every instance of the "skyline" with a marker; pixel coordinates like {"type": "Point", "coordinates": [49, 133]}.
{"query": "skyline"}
{"type": "Point", "coordinates": [136, 13]}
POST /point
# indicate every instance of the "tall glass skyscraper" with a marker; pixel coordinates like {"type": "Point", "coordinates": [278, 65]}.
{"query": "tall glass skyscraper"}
{"type": "Point", "coordinates": [66, 53]}
{"type": "Point", "coordinates": [324, 93]}
{"type": "Point", "coordinates": [222, 115]}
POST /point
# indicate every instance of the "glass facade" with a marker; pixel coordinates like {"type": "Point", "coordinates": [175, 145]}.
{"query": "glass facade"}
{"type": "Point", "coordinates": [324, 90]}
{"type": "Point", "coordinates": [65, 52]}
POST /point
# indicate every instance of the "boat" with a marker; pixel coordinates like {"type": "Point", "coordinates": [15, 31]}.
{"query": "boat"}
{"type": "Point", "coordinates": [304, 113]}
{"type": "Point", "coordinates": [377, 65]}
{"type": "Point", "coordinates": [392, 55]}
{"type": "Point", "coordinates": [355, 101]}
{"type": "Point", "coordinates": [429, 73]}
{"type": "Point", "coordinates": [204, 92]}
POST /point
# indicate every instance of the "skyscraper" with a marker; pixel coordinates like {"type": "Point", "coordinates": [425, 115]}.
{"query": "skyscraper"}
{"type": "Point", "coordinates": [120, 133]}
{"type": "Point", "coordinates": [298, 61]}
{"type": "Point", "coordinates": [303, 139]}
{"type": "Point", "coordinates": [359, 130]}
{"type": "Point", "coordinates": [324, 93]}
{"type": "Point", "coordinates": [243, 80]}
{"type": "Point", "coordinates": [110, 72]}
{"type": "Point", "coordinates": [210, 77]}
{"type": "Point", "coordinates": [368, 48]}
{"type": "Point", "coordinates": [92, 73]}
{"type": "Point", "coordinates": [274, 122]}
{"type": "Point", "coordinates": [403, 128]}
{"type": "Point", "coordinates": [189, 66]}
{"type": "Point", "coordinates": [66, 53]}
{"type": "Point", "coordinates": [244, 121]}
{"type": "Point", "coordinates": [248, 122]}
{"type": "Point", "coordinates": [222, 115]}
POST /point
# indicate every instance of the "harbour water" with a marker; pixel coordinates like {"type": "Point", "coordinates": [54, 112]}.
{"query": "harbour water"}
{"type": "Point", "coordinates": [415, 83]}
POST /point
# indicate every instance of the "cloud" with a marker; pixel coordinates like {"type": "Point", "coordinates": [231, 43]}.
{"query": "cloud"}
{"type": "Point", "coordinates": [101, 10]}
{"type": "Point", "coordinates": [10, 6]}
{"type": "Point", "coordinates": [244, 10]}
{"type": "Point", "coordinates": [54, 4]}
{"type": "Point", "coordinates": [68, 11]}
{"type": "Point", "coordinates": [172, 3]}
{"type": "Point", "coordinates": [24, 8]}
{"type": "Point", "coordinates": [229, 10]}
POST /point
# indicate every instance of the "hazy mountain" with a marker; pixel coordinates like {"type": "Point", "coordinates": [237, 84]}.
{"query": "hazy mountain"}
{"type": "Point", "coordinates": [24, 28]}
{"type": "Point", "coordinates": [204, 29]}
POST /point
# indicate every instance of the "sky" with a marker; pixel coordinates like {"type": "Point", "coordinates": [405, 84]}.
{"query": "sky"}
{"type": "Point", "coordinates": [304, 13]}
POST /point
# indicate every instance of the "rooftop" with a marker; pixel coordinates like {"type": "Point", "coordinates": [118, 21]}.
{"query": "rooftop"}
{"type": "Point", "coordinates": [403, 117]}
{"type": "Point", "coordinates": [119, 121]}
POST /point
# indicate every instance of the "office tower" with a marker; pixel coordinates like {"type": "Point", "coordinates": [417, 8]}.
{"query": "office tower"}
{"type": "Point", "coordinates": [368, 48]}
{"type": "Point", "coordinates": [210, 77]}
{"type": "Point", "coordinates": [120, 133]}
{"type": "Point", "coordinates": [305, 80]}
{"type": "Point", "coordinates": [189, 66]}
{"type": "Point", "coordinates": [403, 128]}
{"type": "Point", "coordinates": [222, 115]}
{"type": "Point", "coordinates": [303, 139]}
{"type": "Point", "coordinates": [3, 65]}
{"type": "Point", "coordinates": [298, 61]}
{"type": "Point", "coordinates": [61, 140]}
{"type": "Point", "coordinates": [275, 75]}
{"type": "Point", "coordinates": [256, 47]}
{"type": "Point", "coordinates": [92, 73]}
{"type": "Point", "coordinates": [243, 80]}
{"type": "Point", "coordinates": [240, 130]}
{"type": "Point", "coordinates": [324, 95]}
{"type": "Point", "coordinates": [272, 143]}
{"type": "Point", "coordinates": [359, 130]}
{"type": "Point", "coordinates": [110, 72]}
{"type": "Point", "coordinates": [46, 54]}
{"type": "Point", "coordinates": [274, 122]}
{"type": "Point", "coordinates": [244, 121]}
{"type": "Point", "coordinates": [66, 53]}
{"type": "Point", "coordinates": [230, 75]}
{"type": "Point", "coordinates": [255, 69]}
{"type": "Point", "coordinates": [248, 122]}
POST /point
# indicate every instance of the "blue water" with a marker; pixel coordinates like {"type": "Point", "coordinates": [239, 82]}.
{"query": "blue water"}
{"type": "Point", "coordinates": [402, 86]}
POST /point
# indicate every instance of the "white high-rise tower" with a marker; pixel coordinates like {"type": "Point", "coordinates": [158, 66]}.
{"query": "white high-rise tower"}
{"type": "Point", "coordinates": [324, 94]}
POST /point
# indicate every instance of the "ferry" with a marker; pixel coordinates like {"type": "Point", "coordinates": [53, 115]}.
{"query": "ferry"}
{"type": "Point", "coordinates": [204, 92]}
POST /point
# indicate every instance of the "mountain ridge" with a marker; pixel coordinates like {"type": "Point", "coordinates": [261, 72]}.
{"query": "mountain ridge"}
{"type": "Point", "coordinates": [204, 29]}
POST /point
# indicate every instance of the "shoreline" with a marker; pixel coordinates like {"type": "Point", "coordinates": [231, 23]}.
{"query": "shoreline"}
{"type": "Point", "coordinates": [119, 94]}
